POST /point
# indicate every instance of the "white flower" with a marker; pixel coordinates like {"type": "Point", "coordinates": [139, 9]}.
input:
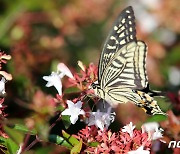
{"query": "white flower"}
{"type": "Point", "coordinates": [150, 126]}
{"type": "Point", "coordinates": [139, 151]}
{"type": "Point", "coordinates": [153, 128]}
{"type": "Point", "coordinates": [129, 128]}
{"type": "Point", "coordinates": [2, 85]}
{"type": "Point", "coordinates": [61, 67]}
{"type": "Point", "coordinates": [74, 110]}
{"type": "Point", "coordinates": [54, 80]}
{"type": "Point", "coordinates": [174, 76]}
{"type": "Point", "coordinates": [157, 134]}
{"type": "Point", "coordinates": [164, 33]}
{"type": "Point", "coordinates": [100, 119]}
{"type": "Point", "coordinates": [6, 75]}
{"type": "Point", "coordinates": [148, 22]}
{"type": "Point", "coordinates": [152, 4]}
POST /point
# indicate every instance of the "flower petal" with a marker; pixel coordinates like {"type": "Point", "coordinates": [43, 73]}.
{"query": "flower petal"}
{"type": "Point", "coordinates": [150, 126]}
{"type": "Point", "coordinates": [99, 119]}
{"type": "Point", "coordinates": [73, 111]}
{"type": "Point", "coordinates": [82, 112]}
{"type": "Point", "coordinates": [59, 88]}
{"type": "Point", "coordinates": [46, 78]}
{"type": "Point", "coordinates": [54, 80]}
{"type": "Point", "coordinates": [2, 85]}
{"type": "Point", "coordinates": [70, 104]}
{"type": "Point", "coordinates": [49, 84]}
{"type": "Point", "coordinates": [66, 112]}
{"type": "Point", "coordinates": [73, 119]}
{"type": "Point", "coordinates": [139, 151]}
{"type": "Point", "coordinates": [79, 104]}
{"type": "Point", "coordinates": [129, 128]}
{"type": "Point", "coordinates": [6, 75]}
{"type": "Point", "coordinates": [65, 70]}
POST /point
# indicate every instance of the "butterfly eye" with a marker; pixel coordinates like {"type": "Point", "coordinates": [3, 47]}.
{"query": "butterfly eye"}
{"type": "Point", "coordinates": [93, 86]}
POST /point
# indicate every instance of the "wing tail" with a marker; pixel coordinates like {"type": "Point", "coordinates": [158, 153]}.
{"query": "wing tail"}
{"type": "Point", "coordinates": [153, 93]}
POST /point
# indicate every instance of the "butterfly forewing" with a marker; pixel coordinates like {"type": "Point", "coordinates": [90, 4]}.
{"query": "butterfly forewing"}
{"type": "Point", "coordinates": [122, 33]}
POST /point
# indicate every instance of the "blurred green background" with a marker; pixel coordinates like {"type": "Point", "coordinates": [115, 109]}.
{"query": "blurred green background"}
{"type": "Point", "coordinates": [39, 34]}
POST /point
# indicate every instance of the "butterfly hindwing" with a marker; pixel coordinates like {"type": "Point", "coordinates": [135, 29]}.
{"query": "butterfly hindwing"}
{"type": "Point", "coordinates": [122, 33]}
{"type": "Point", "coordinates": [148, 104]}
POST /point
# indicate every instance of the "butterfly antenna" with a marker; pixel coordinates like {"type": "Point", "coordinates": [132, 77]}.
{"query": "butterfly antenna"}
{"type": "Point", "coordinates": [88, 100]}
{"type": "Point", "coordinates": [104, 104]}
{"type": "Point", "coordinates": [85, 96]}
{"type": "Point", "coordinates": [93, 107]}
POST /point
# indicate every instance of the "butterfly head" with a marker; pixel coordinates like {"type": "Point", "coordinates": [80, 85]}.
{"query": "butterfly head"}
{"type": "Point", "coordinates": [94, 86]}
{"type": "Point", "coordinates": [97, 89]}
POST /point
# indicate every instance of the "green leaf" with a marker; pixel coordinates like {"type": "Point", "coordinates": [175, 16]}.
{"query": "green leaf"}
{"type": "Point", "coordinates": [60, 108]}
{"type": "Point", "coordinates": [12, 147]}
{"type": "Point", "coordinates": [164, 105]}
{"type": "Point", "coordinates": [15, 135]}
{"type": "Point", "coordinates": [54, 65]}
{"type": "Point", "coordinates": [157, 118]}
{"type": "Point", "coordinates": [70, 138]}
{"type": "Point", "coordinates": [93, 144]}
{"type": "Point", "coordinates": [71, 90]}
{"type": "Point", "coordinates": [77, 148]}
{"type": "Point", "coordinates": [173, 57]}
{"type": "Point", "coordinates": [17, 33]}
{"type": "Point", "coordinates": [59, 140]}
{"type": "Point", "coordinates": [2, 140]}
{"type": "Point", "coordinates": [23, 129]}
{"type": "Point", "coordinates": [66, 121]}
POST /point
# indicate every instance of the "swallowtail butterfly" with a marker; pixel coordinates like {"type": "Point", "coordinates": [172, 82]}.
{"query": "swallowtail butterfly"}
{"type": "Point", "coordinates": [122, 73]}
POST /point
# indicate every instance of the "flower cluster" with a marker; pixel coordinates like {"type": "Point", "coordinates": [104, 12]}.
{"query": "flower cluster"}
{"type": "Point", "coordinates": [127, 140]}
{"type": "Point", "coordinates": [76, 108]}
{"type": "Point", "coordinates": [86, 77]}
{"type": "Point", "coordinates": [96, 137]}
{"type": "Point", "coordinates": [82, 81]}
{"type": "Point", "coordinates": [60, 28]}
{"type": "Point", "coordinates": [5, 77]}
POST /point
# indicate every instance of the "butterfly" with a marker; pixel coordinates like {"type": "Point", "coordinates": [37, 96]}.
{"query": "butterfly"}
{"type": "Point", "coordinates": [122, 75]}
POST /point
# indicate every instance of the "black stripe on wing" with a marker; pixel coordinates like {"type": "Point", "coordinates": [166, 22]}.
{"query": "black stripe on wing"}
{"type": "Point", "coordinates": [121, 34]}
{"type": "Point", "coordinates": [121, 69]}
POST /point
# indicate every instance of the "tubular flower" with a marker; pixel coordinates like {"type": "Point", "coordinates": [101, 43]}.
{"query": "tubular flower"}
{"type": "Point", "coordinates": [55, 78]}
{"type": "Point", "coordinates": [74, 110]}
{"type": "Point", "coordinates": [120, 142]}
